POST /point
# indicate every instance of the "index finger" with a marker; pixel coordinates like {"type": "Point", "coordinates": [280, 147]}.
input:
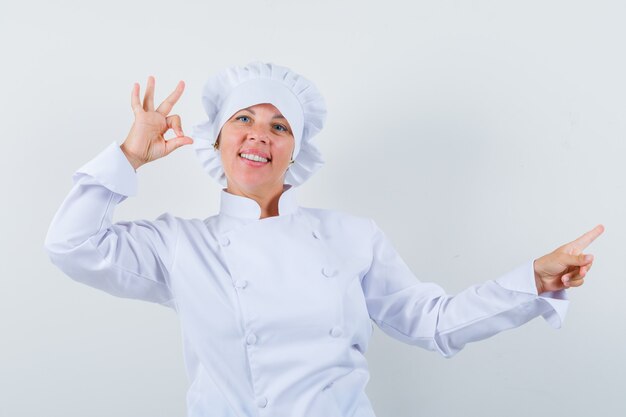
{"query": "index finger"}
{"type": "Point", "coordinates": [165, 107]}
{"type": "Point", "coordinates": [586, 239]}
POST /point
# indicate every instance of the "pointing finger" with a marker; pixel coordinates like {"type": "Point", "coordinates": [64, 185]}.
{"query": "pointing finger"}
{"type": "Point", "coordinates": [585, 240]}
{"type": "Point", "coordinates": [169, 102]}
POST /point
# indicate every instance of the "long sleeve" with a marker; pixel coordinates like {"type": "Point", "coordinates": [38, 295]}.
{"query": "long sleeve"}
{"type": "Point", "coordinates": [423, 314]}
{"type": "Point", "coordinates": [129, 259]}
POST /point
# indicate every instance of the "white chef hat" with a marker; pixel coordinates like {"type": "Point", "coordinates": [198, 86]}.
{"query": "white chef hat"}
{"type": "Point", "coordinates": [236, 88]}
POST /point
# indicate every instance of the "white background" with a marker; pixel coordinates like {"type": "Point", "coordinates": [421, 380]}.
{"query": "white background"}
{"type": "Point", "coordinates": [477, 134]}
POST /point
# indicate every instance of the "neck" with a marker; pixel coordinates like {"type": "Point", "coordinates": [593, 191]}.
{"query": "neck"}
{"type": "Point", "coordinates": [267, 200]}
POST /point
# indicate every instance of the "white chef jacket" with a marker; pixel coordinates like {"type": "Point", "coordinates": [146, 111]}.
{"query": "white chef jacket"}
{"type": "Point", "coordinates": [275, 313]}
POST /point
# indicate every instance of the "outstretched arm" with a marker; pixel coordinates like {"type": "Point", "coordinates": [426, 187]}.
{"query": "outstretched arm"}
{"type": "Point", "coordinates": [421, 313]}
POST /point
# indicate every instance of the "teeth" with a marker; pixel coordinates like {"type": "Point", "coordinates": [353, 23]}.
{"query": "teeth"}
{"type": "Point", "coordinates": [252, 157]}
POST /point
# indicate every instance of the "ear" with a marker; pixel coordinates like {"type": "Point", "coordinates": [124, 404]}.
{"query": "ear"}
{"type": "Point", "coordinates": [216, 145]}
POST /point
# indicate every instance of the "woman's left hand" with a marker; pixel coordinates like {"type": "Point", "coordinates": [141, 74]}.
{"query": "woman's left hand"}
{"type": "Point", "coordinates": [566, 266]}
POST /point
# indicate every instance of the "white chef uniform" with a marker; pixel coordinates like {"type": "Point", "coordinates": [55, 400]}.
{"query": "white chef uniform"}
{"type": "Point", "coordinates": [276, 313]}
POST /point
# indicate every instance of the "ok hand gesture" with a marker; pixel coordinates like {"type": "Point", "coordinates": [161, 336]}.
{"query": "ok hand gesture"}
{"type": "Point", "coordinates": [145, 141]}
{"type": "Point", "coordinates": [566, 266]}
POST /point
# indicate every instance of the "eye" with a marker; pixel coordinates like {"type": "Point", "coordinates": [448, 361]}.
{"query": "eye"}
{"type": "Point", "coordinates": [244, 119]}
{"type": "Point", "coordinates": [281, 128]}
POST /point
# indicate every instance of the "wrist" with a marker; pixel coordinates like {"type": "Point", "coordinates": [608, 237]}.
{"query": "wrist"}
{"type": "Point", "coordinates": [135, 162]}
{"type": "Point", "coordinates": [538, 281]}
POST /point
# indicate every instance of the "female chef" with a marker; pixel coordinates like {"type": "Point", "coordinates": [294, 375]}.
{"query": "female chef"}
{"type": "Point", "coordinates": [276, 301]}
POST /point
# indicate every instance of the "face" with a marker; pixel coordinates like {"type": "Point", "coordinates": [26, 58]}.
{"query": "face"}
{"type": "Point", "coordinates": [256, 145]}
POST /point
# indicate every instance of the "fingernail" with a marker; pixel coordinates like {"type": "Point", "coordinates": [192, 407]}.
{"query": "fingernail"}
{"type": "Point", "coordinates": [588, 258]}
{"type": "Point", "coordinates": [565, 280]}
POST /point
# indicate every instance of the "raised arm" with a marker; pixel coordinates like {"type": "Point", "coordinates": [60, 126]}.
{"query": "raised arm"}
{"type": "Point", "coordinates": [128, 259]}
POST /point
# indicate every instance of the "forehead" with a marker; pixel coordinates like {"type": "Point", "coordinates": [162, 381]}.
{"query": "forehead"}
{"type": "Point", "coordinates": [264, 108]}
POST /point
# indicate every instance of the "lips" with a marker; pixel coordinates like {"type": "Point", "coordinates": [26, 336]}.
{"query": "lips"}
{"type": "Point", "coordinates": [252, 157]}
{"type": "Point", "coordinates": [255, 155]}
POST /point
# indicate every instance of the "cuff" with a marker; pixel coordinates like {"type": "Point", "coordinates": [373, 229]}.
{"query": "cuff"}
{"type": "Point", "coordinates": [559, 302]}
{"type": "Point", "coordinates": [111, 169]}
{"type": "Point", "coordinates": [522, 279]}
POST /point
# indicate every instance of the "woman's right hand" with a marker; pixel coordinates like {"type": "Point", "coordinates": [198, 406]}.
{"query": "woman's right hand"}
{"type": "Point", "coordinates": [145, 141]}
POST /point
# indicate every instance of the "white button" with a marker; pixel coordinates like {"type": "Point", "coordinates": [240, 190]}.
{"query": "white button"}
{"type": "Point", "coordinates": [224, 241]}
{"type": "Point", "coordinates": [241, 283]}
{"type": "Point", "coordinates": [336, 331]}
{"type": "Point", "coordinates": [328, 271]}
{"type": "Point", "coordinates": [251, 339]}
{"type": "Point", "coordinates": [316, 234]}
{"type": "Point", "coordinates": [261, 402]}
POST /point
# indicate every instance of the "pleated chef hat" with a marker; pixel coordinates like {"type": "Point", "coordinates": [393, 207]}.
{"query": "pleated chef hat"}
{"type": "Point", "coordinates": [236, 88]}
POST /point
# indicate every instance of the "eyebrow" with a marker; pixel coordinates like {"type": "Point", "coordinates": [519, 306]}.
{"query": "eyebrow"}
{"type": "Point", "coordinates": [278, 116]}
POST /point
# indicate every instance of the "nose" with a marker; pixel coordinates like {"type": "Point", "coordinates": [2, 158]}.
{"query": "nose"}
{"type": "Point", "coordinates": [258, 134]}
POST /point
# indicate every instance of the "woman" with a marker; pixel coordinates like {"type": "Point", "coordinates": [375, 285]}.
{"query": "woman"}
{"type": "Point", "coordinates": [276, 301]}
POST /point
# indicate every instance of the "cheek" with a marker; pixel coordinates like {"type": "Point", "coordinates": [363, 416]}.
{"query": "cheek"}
{"type": "Point", "coordinates": [284, 151]}
{"type": "Point", "coordinates": [228, 155]}
{"type": "Point", "coordinates": [228, 146]}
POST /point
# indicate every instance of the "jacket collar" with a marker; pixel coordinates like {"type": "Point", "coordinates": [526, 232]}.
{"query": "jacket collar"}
{"type": "Point", "coordinates": [239, 206]}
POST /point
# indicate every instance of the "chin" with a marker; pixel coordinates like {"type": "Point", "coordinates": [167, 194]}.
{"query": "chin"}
{"type": "Point", "coordinates": [254, 182]}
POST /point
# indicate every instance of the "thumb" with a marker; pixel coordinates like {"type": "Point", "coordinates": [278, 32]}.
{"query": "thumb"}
{"type": "Point", "coordinates": [172, 144]}
{"type": "Point", "coordinates": [576, 260]}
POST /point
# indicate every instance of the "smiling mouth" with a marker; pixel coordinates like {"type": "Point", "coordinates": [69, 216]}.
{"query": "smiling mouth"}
{"type": "Point", "coordinates": [255, 158]}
